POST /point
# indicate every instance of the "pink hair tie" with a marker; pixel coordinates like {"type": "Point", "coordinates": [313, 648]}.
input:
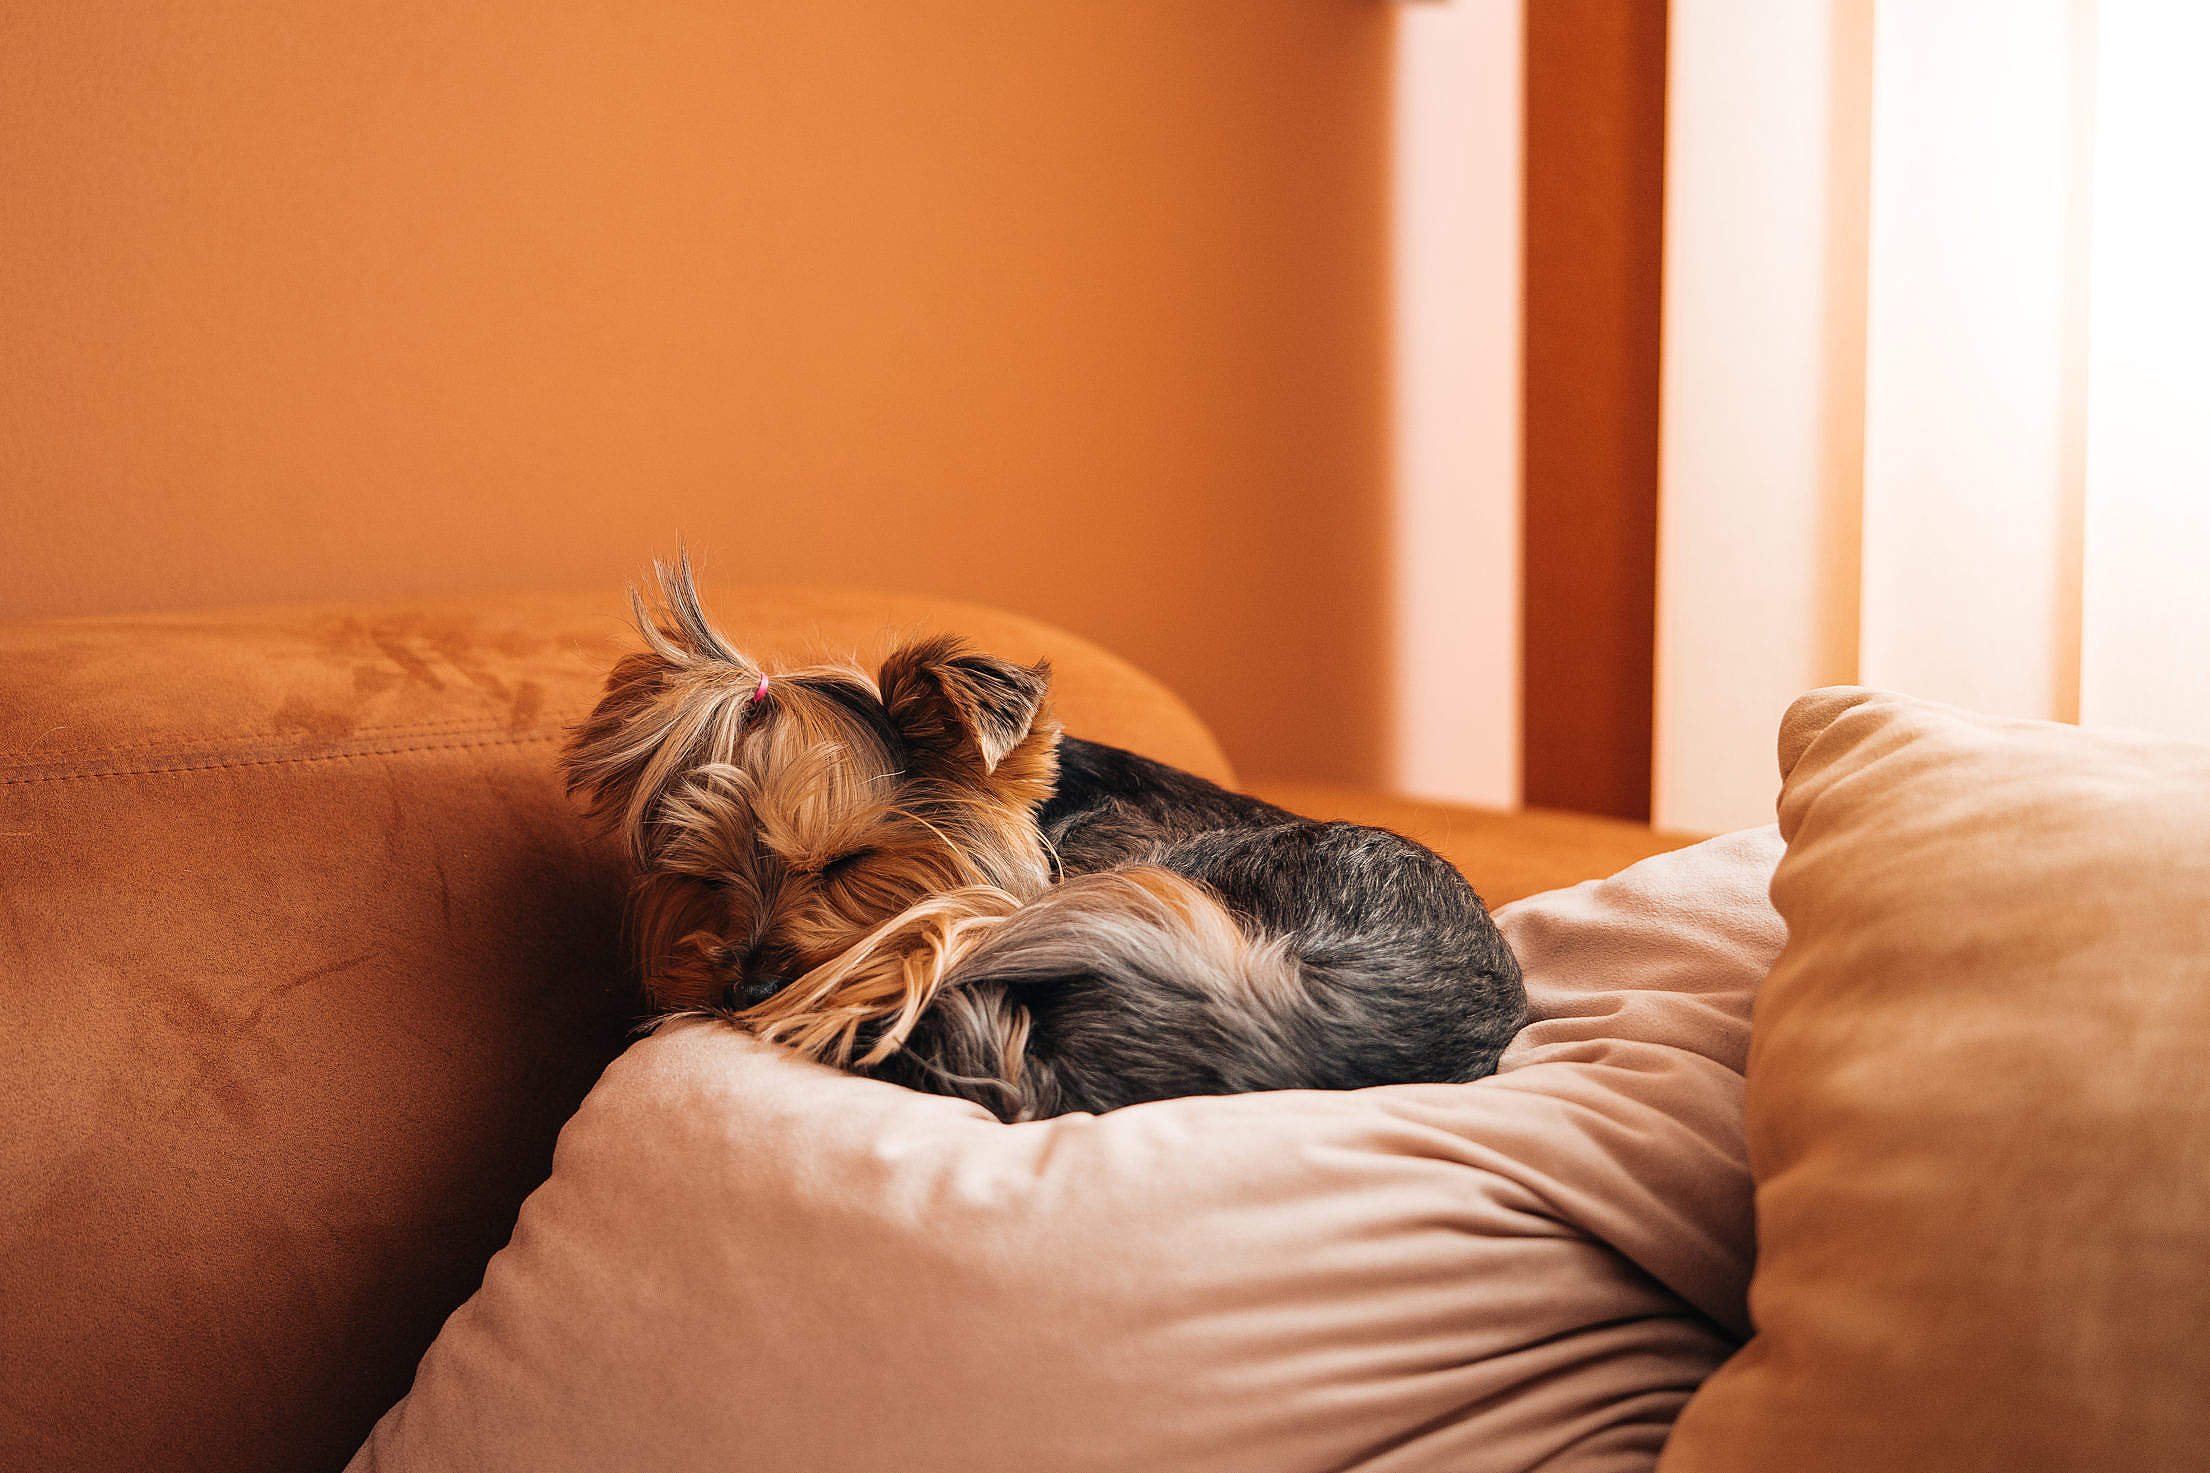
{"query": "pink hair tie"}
{"type": "Point", "coordinates": [759, 694]}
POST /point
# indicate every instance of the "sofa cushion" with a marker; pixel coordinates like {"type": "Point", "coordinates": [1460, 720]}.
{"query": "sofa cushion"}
{"type": "Point", "coordinates": [1979, 1106]}
{"type": "Point", "coordinates": [743, 1260]}
{"type": "Point", "coordinates": [304, 958]}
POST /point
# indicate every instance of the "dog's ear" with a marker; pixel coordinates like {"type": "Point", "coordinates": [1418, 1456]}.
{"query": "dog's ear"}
{"type": "Point", "coordinates": [679, 702]}
{"type": "Point", "coordinates": [950, 703]}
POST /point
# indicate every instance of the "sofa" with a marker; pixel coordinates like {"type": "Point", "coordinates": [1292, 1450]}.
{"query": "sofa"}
{"type": "Point", "coordinates": [305, 959]}
{"type": "Point", "coordinates": [1876, 1141]}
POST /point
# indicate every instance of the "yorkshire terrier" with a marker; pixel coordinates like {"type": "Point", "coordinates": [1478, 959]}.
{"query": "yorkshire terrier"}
{"type": "Point", "coordinates": [916, 876]}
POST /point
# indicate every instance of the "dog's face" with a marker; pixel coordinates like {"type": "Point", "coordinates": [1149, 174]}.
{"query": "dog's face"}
{"type": "Point", "coordinates": [778, 819]}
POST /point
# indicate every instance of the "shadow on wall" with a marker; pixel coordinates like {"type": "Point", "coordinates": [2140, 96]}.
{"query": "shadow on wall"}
{"type": "Point", "coordinates": [1077, 310]}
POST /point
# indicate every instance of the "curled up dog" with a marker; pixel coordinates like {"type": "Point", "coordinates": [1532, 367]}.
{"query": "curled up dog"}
{"type": "Point", "coordinates": [914, 874]}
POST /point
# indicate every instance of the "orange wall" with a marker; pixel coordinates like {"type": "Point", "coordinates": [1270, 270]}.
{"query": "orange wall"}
{"type": "Point", "coordinates": [1073, 308]}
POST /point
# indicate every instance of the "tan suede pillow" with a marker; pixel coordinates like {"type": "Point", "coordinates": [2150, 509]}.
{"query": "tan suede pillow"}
{"type": "Point", "coordinates": [745, 1261]}
{"type": "Point", "coordinates": [1979, 1106]}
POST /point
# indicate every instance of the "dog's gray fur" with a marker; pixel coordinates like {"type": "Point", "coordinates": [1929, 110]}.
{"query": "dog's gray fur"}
{"type": "Point", "coordinates": [1358, 958]}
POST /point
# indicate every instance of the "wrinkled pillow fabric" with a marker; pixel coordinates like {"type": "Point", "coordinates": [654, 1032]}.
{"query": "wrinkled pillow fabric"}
{"type": "Point", "coordinates": [743, 1260]}
{"type": "Point", "coordinates": [1978, 1106]}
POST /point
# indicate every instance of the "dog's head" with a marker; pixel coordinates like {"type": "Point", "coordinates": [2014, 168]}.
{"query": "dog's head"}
{"type": "Point", "coordinates": [779, 818]}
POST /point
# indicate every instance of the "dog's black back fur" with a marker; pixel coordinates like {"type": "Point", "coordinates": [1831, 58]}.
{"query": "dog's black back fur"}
{"type": "Point", "coordinates": [1397, 974]}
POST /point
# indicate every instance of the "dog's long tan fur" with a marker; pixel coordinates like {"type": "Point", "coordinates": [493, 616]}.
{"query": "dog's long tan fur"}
{"type": "Point", "coordinates": [775, 803]}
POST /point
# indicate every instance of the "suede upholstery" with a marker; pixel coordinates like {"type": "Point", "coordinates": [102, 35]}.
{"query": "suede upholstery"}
{"type": "Point", "coordinates": [1507, 854]}
{"type": "Point", "coordinates": [304, 958]}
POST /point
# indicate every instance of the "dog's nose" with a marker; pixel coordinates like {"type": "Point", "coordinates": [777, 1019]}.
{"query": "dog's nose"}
{"type": "Point", "coordinates": [757, 973]}
{"type": "Point", "coordinates": [753, 991]}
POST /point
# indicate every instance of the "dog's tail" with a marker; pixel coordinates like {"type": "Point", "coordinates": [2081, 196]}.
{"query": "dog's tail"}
{"type": "Point", "coordinates": [1141, 981]}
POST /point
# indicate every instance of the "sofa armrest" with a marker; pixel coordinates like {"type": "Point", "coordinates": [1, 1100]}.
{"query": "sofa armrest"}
{"type": "Point", "coordinates": [304, 959]}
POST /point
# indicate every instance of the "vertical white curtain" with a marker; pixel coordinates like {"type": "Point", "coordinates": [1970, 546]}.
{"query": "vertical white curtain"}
{"type": "Point", "coordinates": [1967, 479]}
{"type": "Point", "coordinates": [1934, 397]}
{"type": "Point", "coordinates": [1455, 542]}
{"type": "Point", "coordinates": [1762, 369]}
{"type": "Point", "coordinates": [2145, 648]}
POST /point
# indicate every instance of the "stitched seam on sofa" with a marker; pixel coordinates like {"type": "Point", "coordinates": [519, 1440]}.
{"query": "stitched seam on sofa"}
{"type": "Point", "coordinates": [19, 760]}
{"type": "Point", "coordinates": [222, 764]}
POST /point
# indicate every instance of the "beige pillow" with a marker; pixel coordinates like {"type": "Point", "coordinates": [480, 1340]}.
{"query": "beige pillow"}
{"type": "Point", "coordinates": [745, 1261]}
{"type": "Point", "coordinates": [1979, 1106]}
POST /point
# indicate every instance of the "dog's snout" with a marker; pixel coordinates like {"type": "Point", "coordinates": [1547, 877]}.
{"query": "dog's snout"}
{"type": "Point", "coordinates": [761, 972]}
{"type": "Point", "coordinates": [753, 991]}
